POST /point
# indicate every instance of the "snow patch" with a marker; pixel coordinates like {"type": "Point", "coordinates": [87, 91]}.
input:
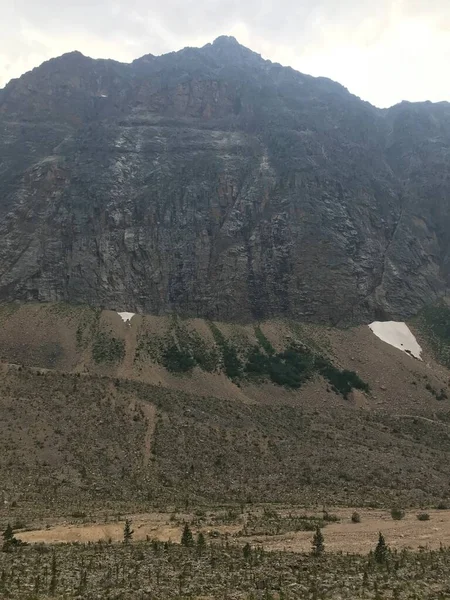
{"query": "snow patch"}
{"type": "Point", "coordinates": [126, 316]}
{"type": "Point", "coordinates": [397, 334]}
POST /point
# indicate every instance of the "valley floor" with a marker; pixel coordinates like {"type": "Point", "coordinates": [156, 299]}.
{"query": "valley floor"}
{"type": "Point", "coordinates": [272, 527]}
{"type": "Point", "coordinates": [98, 427]}
{"type": "Point", "coordinates": [83, 559]}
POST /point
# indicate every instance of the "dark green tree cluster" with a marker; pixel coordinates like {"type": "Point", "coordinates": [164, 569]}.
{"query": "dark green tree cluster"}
{"type": "Point", "coordinates": [183, 349]}
{"type": "Point", "coordinates": [10, 542]}
{"type": "Point", "coordinates": [295, 365]}
{"type": "Point", "coordinates": [107, 349]}
{"type": "Point", "coordinates": [291, 367]}
{"type": "Point", "coordinates": [434, 322]}
{"type": "Point", "coordinates": [177, 360]}
{"type": "Point", "coordinates": [231, 362]}
{"type": "Point", "coordinates": [342, 382]}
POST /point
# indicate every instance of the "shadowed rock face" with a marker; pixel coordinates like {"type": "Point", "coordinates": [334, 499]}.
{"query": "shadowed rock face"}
{"type": "Point", "coordinates": [214, 183]}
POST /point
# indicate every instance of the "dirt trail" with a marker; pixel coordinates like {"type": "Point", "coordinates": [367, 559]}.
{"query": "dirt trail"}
{"type": "Point", "coordinates": [422, 419]}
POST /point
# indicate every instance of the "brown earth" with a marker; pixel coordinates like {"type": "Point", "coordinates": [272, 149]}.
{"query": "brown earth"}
{"type": "Point", "coordinates": [82, 430]}
{"type": "Point", "coordinates": [344, 536]}
{"type": "Point", "coordinates": [45, 336]}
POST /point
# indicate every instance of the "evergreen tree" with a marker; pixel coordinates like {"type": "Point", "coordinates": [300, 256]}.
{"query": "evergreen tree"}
{"type": "Point", "coordinates": [127, 532]}
{"type": "Point", "coordinates": [318, 546]}
{"type": "Point", "coordinates": [381, 551]}
{"type": "Point", "coordinates": [187, 538]}
{"type": "Point", "coordinates": [9, 539]}
{"type": "Point", "coordinates": [201, 543]}
{"type": "Point", "coordinates": [8, 536]}
{"type": "Point", "coordinates": [54, 576]}
{"type": "Point", "coordinates": [378, 596]}
{"type": "Point", "coordinates": [247, 551]}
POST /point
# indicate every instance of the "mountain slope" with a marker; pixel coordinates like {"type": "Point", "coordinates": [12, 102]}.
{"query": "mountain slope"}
{"type": "Point", "coordinates": [213, 183]}
{"type": "Point", "coordinates": [92, 412]}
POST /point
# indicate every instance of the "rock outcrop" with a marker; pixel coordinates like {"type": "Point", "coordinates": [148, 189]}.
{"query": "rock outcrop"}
{"type": "Point", "coordinates": [214, 183]}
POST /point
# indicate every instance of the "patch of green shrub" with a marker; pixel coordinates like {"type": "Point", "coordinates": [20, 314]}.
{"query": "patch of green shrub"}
{"type": "Point", "coordinates": [397, 514]}
{"type": "Point", "coordinates": [257, 363]}
{"type": "Point", "coordinates": [423, 517]}
{"type": "Point", "coordinates": [150, 346]}
{"type": "Point", "coordinates": [263, 341]}
{"type": "Point", "coordinates": [330, 517]}
{"type": "Point", "coordinates": [190, 341]}
{"type": "Point", "coordinates": [343, 381]}
{"type": "Point", "coordinates": [231, 362]}
{"type": "Point", "coordinates": [107, 349]}
{"type": "Point", "coordinates": [182, 350]}
{"type": "Point", "coordinates": [295, 365]}
{"type": "Point", "coordinates": [442, 395]}
{"type": "Point", "coordinates": [290, 368]}
{"type": "Point", "coordinates": [434, 322]}
{"type": "Point", "coordinates": [177, 360]}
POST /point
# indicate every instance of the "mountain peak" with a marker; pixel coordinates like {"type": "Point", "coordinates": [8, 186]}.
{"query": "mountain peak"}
{"type": "Point", "coordinates": [226, 40]}
{"type": "Point", "coordinates": [227, 48]}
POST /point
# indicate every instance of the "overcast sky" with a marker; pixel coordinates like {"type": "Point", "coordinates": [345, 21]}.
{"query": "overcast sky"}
{"type": "Point", "coordinates": [384, 51]}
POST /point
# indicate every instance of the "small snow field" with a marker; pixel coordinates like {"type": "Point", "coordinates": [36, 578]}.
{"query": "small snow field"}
{"type": "Point", "coordinates": [397, 334]}
{"type": "Point", "coordinates": [126, 316]}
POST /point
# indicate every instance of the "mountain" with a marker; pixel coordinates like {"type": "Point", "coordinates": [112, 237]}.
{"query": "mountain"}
{"type": "Point", "coordinates": [211, 182]}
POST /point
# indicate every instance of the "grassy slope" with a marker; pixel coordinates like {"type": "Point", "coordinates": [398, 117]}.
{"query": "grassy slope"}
{"type": "Point", "coordinates": [82, 432]}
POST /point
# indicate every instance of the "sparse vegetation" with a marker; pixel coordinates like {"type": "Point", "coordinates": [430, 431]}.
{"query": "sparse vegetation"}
{"type": "Point", "coordinates": [232, 364]}
{"type": "Point", "coordinates": [107, 349]}
{"type": "Point", "coordinates": [264, 342]}
{"type": "Point", "coordinates": [99, 418]}
{"type": "Point", "coordinates": [272, 523]}
{"type": "Point", "coordinates": [283, 447]}
{"type": "Point", "coordinates": [330, 517]}
{"type": "Point", "coordinates": [434, 323]}
{"type": "Point", "coordinates": [150, 347]}
{"type": "Point", "coordinates": [423, 516]}
{"type": "Point", "coordinates": [192, 451]}
{"type": "Point", "coordinates": [162, 570]}
{"type": "Point", "coordinates": [176, 360]}
{"type": "Point", "coordinates": [441, 395]}
{"type": "Point", "coordinates": [397, 513]}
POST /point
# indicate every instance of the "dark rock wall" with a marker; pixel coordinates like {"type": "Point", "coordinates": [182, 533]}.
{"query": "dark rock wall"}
{"type": "Point", "coordinates": [213, 183]}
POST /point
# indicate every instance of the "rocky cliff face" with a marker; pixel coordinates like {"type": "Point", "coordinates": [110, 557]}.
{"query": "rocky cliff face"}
{"type": "Point", "coordinates": [214, 183]}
